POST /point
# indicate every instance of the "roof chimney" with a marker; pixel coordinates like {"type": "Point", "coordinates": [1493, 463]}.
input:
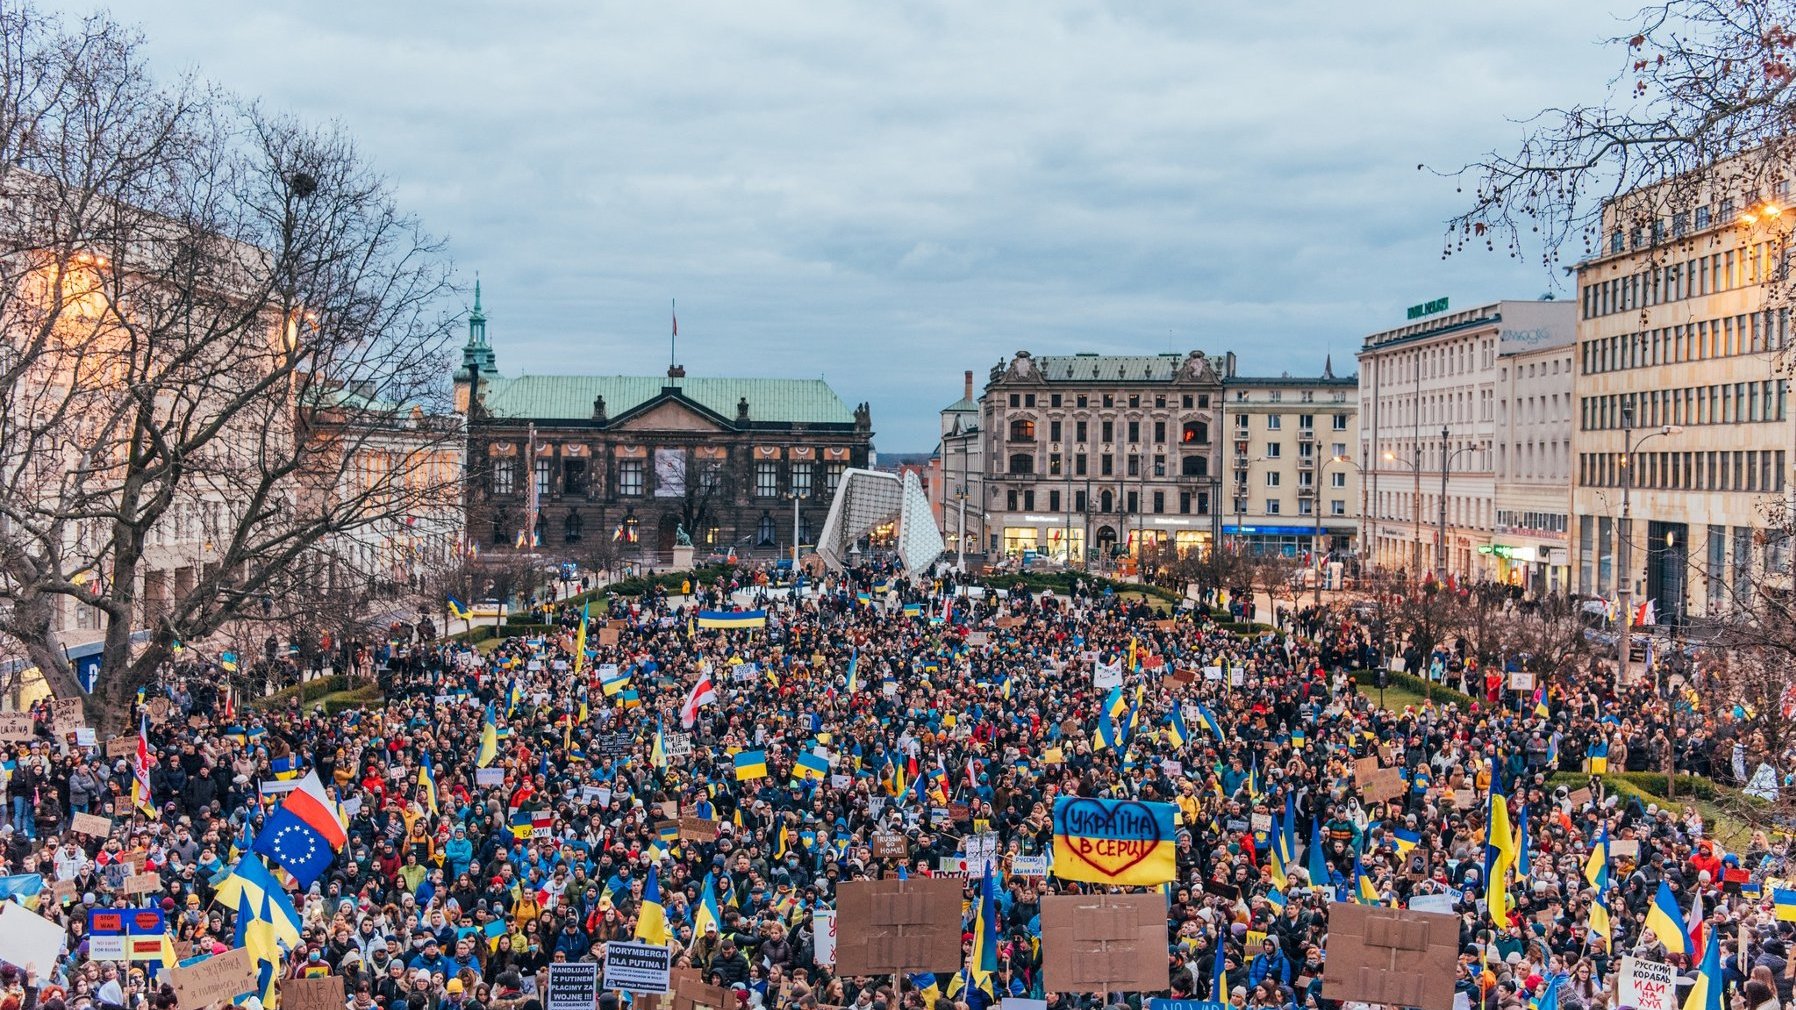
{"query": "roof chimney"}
{"type": "Point", "coordinates": [969, 381]}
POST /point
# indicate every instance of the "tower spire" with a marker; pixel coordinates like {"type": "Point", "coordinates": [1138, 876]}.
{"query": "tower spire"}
{"type": "Point", "coordinates": [476, 356]}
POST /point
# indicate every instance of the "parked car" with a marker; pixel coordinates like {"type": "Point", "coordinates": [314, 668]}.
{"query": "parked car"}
{"type": "Point", "coordinates": [488, 608]}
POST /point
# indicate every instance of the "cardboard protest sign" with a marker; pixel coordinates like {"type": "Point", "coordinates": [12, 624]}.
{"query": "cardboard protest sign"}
{"type": "Point", "coordinates": [1383, 785]}
{"type": "Point", "coordinates": [91, 825]}
{"type": "Point", "coordinates": [121, 746]}
{"type": "Point", "coordinates": [1364, 768]}
{"type": "Point", "coordinates": [1624, 848]}
{"type": "Point", "coordinates": [1104, 942]}
{"type": "Point", "coordinates": [143, 883]}
{"type": "Point", "coordinates": [1392, 956]}
{"type": "Point", "coordinates": [1103, 841]}
{"type": "Point", "coordinates": [890, 845]}
{"type": "Point", "coordinates": [66, 715]}
{"type": "Point", "coordinates": [691, 993]}
{"type": "Point", "coordinates": [312, 993]}
{"type": "Point", "coordinates": [697, 829]}
{"type": "Point", "coordinates": [215, 980]}
{"type": "Point", "coordinates": [888, 926]}
{"type": "Point", "coordinates": [17, 726]}
{"type": "Point", "coordinates": [608, 636]}
{"type": "Point", "coordinates": [1646, 985]}
{"type": "Point", "coordinates": [824, 929]}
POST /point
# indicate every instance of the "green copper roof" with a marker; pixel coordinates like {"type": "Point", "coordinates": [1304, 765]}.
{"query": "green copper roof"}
{"type": "Point", "coordinates": [1109, 367]}
{"type": "Point", "coordinates": [569, 397]}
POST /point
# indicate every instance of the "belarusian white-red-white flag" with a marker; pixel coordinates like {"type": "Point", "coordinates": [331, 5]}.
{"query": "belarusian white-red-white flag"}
{"type": "Point", "coordinates": [702, 694]}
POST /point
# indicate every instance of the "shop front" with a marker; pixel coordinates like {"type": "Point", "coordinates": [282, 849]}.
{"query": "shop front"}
{"type": "Point", "coordinates": [1535, 568]}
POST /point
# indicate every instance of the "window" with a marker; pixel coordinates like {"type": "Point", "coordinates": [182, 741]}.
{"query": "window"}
{"type": "Point", "coordinates": [1272, 477]}
{"type": "Point", "coordinates": [1016, 400]}
{"type": "Point", "coordinates": [1617, 244]}
{"type": "Point", "coordinates": [1196, 466]}
{"type": "Point", "coordinates": [1012, 500]}
{"type": "Point", "coordinates": [1054, 463]}
{"type": "Point", "coordinates": [1339, 479]}
{"type": "Point", "coordinates": [1080, 431]}
{"type": "Point", "coordinates": [1337, 507]}
{"type": "Point", "coordinates": [1022, 462]}
{"type": "Point", "coordinates": [1195, 433]}
{"type": "Point", "coordinates": [573, 476]}
{"type": "Point", "coordinates": [1109, 431]}
{"type": "Point", "coordinates": [1159, 432]}
{"type": "Point", "coordinates": [1079, 401]}
{"type": "Point", "coordinates": [1134, 502]}
{"type": "Point", "coordinates": [1079, 465]}
{"type": "Point", "coordinates": [832, 476]}
{"type": "Point", "coordinates": [1134, 399]}
{"type": "Point", "coordinates": [1105, 501]}
{"type": "Point", "coordinates": [1053, 399]}
{"type": "Point", "coordinates": [1274, 450]}
{"type": "Point", "coordinates": [1306, 422]}
{"type": "Point", "coordinates": [1339, 449]}
{"type": "Point", "coordinates": [1078, 501]}
{"type": "Point", "coordinates": [1272, 506]}
{"type": "Point", "coordinates": [767, 479]}
{"type": "Point", "coordinates": [1022, 430]}
{"type": "Point", "coordinates": [1028, 399]}
{"type": "Point", "coordinates": [1134, 431]}
{"type": "Point", "coordinates": [545, 476]}
{"type": "Point", "coordinates": [1702, 217]}
{"type": "Point", "coordinates": [1159, 502]}
{"type": "Point", "coordinates": [571, 528]}
{"type": "Point", "coordinates": [1203, 503]}
{"type": "Point", "coordinates": [505, 475]}
{"type": "Point", "coordinates": [1106, 465]}
{"type": "Point", "coordinates": [1134, 465]}
{"type": "Point", "coordinates": [1184, 503]}
{"type": "Point", "coordinates": [801, 479]}
{"type": "Point", "coordinates": [1053, 501]}
{"type": "Point", "coordinates": [1303, 507]}
{"type": "Point", "coordinates": [1053, 431]}
{"type": "Point", "coordinates": [1274, 422]}
{"type": "Point", "coordinates": [1340, 424]}
{"type": "Point", "coordinates": [765, 535]}
{"type": "Point", "coordinates": [629, 477]}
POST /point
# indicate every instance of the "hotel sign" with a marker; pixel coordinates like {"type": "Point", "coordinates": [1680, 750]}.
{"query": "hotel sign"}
{"type": "Point", "coordinates": [1428, 308]}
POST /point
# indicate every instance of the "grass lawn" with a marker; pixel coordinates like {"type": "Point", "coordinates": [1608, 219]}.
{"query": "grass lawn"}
{"type": "Point", "coordinates": [1395, 698]}
{"type": "Point", "coordinates": [485, 648]}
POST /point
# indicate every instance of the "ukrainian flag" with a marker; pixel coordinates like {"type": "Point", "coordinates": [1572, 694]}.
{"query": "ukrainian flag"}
{"type": "Point", "coordinates": [23, 888]}
{"type": "Point", "coordinates": [732, 620]}
{"type": "Point", "coordinates": [1499, 855]}
{"type": "Point", "coordinates": [1709, 991]}
{"type": "Point", "coordinates": [854, 672]}
{"type": "Point", "coordinates": [427, 784]}
{"type": "Point", "coordinates": [658, 752]}
{"type": "Point", "coordinates": [489, 740]}
{"type": "Point", "coordinates": [1142, 830]}
{"type": "Point", "coordinates": [1598, 755]}
{"type": "Point", "coordinates": [228, 660]}
{"type": "Point", "coordinates": [250, 880]}
{"type": "Point", "coordinates": [459, 610]}
{"type": "Point", "coordinates": [1209, 719]}
{"type": "Point", "coordinates": [651, 916]}
{"type": "Point", "coordinates": [913, 610]}
{"type": "Point", "coordinates": [522, 824]}
{"type": "Point", "coordinates": [1783, 904]}
{"type": "Point", "coordinates": [1599, 909]}
{"type": "Point", "coordinates": [613, 683]}
{"type": "Point", "coordinates": [751, 765]}
{"type": "Point", "coordinates": [1175, 729]}
{"type": "Point", "coordinates": [1405, 840]}
{"type": "Point", "coordinates": [629, 698]}
{"type": "Point", "coordinates": [286, 767]}
{"type": "Point", "coordinates": [811, 766]}
{"type": "Point", "coordinates": [708, 914]}
{"type": "Point", "coordinates": [1666, 921]}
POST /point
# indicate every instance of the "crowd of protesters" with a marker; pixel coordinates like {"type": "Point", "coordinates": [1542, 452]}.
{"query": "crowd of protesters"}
{"type": "Point", "coordinates": [946, 711]}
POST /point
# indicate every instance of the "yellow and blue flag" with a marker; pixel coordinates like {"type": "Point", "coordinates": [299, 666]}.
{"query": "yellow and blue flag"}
{"type": "Point", "coordinates": [1102, 841]}
{"type": "Point", "coordinates": [651, 916]}
{"type": "Point", "coordinates": [1783, 904]}
{"type": "Point", "coordinates": [287, 767]}
{"type": "Point", "coordinates": [732, 620]}
{"type": "Point", "coordinates": [427, 784]}
{"type": "Point", "coordinates": [1666, 921]}
{"type": "Point", "coordinates": [751, 765]}
{"type": "Point", "coordinates": [811, 766]}
{"type": "Point", "coordinates": [1709, 992]}
{"type": "Point", "coordinates": [489, 739]}
{"type": "Point", "coordinates": [1175, 728]}
{"type": "Point", "coordinates": [459, 610]}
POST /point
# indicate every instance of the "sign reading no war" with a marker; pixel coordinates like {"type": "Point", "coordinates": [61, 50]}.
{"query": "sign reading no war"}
{"type": "Point", "coordinates": [1114, 841]}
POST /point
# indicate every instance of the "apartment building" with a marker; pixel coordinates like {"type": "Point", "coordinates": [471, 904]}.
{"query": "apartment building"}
{"type": "Point", "coordinates": [1682, 411]}
{"type": "Point", "coordinates": [1429, 429]}
{"type": "Point", "coordinates": [1294, 472]}
{"type": "Point", "coordinates": [957, 490]}
{"type": "Point", "coordinates": [1091, 455]}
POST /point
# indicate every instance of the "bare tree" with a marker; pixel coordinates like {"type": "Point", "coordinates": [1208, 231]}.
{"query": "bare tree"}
{"type": "Point", "coordinates": [1701, 104]}
{"type": "Point", "coordinates": [221, 337]}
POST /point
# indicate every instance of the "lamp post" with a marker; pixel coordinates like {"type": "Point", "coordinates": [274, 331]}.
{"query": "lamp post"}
{"type": "Point", "coordinates": [1415, 510]}
{"type": "Point", "coordinates": [794, 495]}
{"type": "Point", "coordinates": [1141, 508]}
{"type": "Point", "coordinates": [1624, 583]}
{"type": "Point", "coordinates": [1447, 457]}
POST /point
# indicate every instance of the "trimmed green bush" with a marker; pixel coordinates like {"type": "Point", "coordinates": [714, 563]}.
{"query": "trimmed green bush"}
{"type": "Point", "coordinates": [1428, 689]}
{"type": "Point", "coordinates": [309, 691]}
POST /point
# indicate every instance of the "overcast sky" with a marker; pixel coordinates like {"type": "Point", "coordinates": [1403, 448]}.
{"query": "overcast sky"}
{"type": "Point", "coordinates": [886, 194]}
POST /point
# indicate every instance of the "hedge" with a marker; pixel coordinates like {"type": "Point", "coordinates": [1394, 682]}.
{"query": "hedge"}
{"type": "Point", "coordinates": [1244, 627]}
{"type": "Point", "coordinates": [1647, 787]}
{"type": "Point", "coordinates": [1415, 685]}
{"type": "Point", "coordinates": [311, 690]}
{"type": "Point", "coordinates": [1062, 583]}
{"type": "Point", "coordinates": [361, 697]}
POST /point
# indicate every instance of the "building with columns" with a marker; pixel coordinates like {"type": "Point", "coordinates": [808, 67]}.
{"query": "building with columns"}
{"type": "Point", "coordinates": [560, 463]}
{"type": "Point", "coordinates": [1089, 456]}
{"type": "Point", "coordinates": [1429, 432]}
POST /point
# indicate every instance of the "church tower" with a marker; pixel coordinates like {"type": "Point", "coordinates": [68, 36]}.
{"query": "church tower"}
{"type": "Point", "coordinates": [477, 358]}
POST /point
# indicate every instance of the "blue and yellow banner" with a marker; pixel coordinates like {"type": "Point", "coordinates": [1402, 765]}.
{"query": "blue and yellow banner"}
{"type": "Point", "coordinates": [733, 620]}
{"type": "Point", "coordinates": [1103, 841]}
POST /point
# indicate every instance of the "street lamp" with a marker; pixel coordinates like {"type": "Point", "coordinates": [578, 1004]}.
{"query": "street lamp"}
{"type": "Point", "coordinates": [1415, 507]}
{"type": "Point", "coordinates": [1415, 465]}
{"type": "Point", "coordinates": [796, 497]}
{"type": "Point", "coordinates": [1241, 491]}
{"type": "Point", "coordinates": [1141, 507]}
{"type": "Point", "coordinates": [1624, 585]}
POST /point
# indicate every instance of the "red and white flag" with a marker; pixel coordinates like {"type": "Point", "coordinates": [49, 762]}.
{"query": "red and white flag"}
{"type": "Point", "coordinates": [702, 694]}
{"type": "Point", "coordinates": [140, 770]}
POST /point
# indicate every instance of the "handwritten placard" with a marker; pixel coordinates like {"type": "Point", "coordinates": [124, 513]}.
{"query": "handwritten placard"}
{"type": "Point", "coordinates": [698, 829]}
{"type": "Point", "coordinates": [215, 980]}
{"type": "Point", "coordinates": [312, 993]}
{"type": "Point", "coordinates": [66, 714]}
{"type": "Point", "coordinates": [15, 726]}
{"type": "Point", "coordinates": [92, 825]}
{"type": "Point", "coordinates": [121, 746]}
{"type": "Point", "coordinates": [143, 883]}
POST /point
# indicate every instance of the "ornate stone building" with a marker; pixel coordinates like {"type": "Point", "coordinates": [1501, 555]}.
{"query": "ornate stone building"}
{"type": "Point", "coordinates": [563, 461]}
{"type": "Point", "coordinates": [1090, 455]}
